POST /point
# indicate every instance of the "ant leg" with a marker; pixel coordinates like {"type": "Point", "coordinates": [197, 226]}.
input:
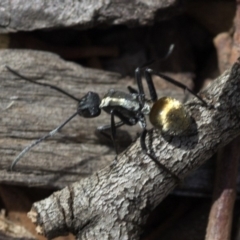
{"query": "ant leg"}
{"type": "Point", "coordinates": [107, 127]}
{"type": "Point", "coordinates": [145, 150]}
{"type": "Point", "coordinates": [132, 90]}
{"type": "Point", "coordinates": [125, 120]}
{"type": "Point", "coordinates": [138, 77]}
{"type": "Point", "coordinates": [113, 126]}
{"type": "Point", "coordinates": [149, 72]}
{"type": "Point", "coordinates": [151, 87]}
{"type": "Point", "coordinates": [42, 84]}
{"type": "Point", "coordinates": [104, 128]}
{"type": "Point", "coordinates": [113, 131]}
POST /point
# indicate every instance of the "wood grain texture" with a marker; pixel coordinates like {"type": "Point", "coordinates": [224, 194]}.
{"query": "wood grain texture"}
{"type": "Point", "coordinates": [115, 202]}
{"type": "Point", "coordinates": [29, 111]}
{"type": "Point", "coordinates": [37, 14]}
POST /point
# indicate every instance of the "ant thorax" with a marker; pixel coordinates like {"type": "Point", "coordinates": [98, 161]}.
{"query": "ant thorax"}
{"type": "Point", "coordinates": [118, 99]}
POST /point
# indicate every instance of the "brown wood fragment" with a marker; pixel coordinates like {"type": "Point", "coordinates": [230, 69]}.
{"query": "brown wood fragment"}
{"type": "Point", "coordinates": [221, 214]}
{"type": "Point", "coordinates": [17, 205]}
{"type": "Point", "coordinates": [12, 231]}
{"type": "Point", "coordinates": [115, 202]}
{"type": "Point", "coordinates": [224, 195]}
{"type": "Point", "coordinates": [223, 43]}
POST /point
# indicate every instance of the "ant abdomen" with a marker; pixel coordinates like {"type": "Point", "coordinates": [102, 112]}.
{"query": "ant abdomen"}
{"type": "Point", "coordinates": [169, 115]}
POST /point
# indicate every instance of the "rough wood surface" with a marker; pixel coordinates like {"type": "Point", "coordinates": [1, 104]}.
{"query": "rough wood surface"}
{"type": "Point", "coordinates": [115, 202]}
{"type": "Point", "coordinates": [11, 231]}
{"type": "Point", "coordinates": [29, 111]}
{"type": "Point", "coordinates": [38, 14]}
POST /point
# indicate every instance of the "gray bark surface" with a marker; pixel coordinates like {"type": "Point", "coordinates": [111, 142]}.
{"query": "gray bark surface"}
{"type": "Point", "coordinates": [38, 14]}
{"type": "Point", "coordinates": [29, 111]}
{"type": "Point", "coordinates": [115, 202]}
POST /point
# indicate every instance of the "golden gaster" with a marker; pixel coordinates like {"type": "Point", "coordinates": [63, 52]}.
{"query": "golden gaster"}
{"type": "Point", "coordinates": [169, 115]}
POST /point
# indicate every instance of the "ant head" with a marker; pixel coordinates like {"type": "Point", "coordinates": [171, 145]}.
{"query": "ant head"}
{"type": "Point", "coordinates": [88, 106]}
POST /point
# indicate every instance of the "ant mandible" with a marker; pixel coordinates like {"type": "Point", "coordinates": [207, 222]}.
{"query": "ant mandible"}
{"type": "Point", "coordinates": [166, 113]}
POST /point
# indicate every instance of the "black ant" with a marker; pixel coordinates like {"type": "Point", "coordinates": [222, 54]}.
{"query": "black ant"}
{"type": "Point", "coordinates": [166, 113]}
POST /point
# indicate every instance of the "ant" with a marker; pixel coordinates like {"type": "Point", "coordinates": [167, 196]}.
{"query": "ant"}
{"type": "Point", "coordinates": [166, 113]}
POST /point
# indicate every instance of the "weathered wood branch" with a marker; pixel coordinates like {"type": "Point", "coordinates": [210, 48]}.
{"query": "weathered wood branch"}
{"type": "Point", "coordinates": [115, 202]}
{"type": "Point", "coordinates": [29, 111]}
{"type": "Point", "coordinates": [38, 14]}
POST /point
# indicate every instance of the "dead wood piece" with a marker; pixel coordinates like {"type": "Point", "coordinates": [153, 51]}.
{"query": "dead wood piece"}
{"type": "Point", "coordinates": [17, 210]}
{"type": "Point", "coordinates": [221, 214]}
{"type": "Point", "coordinates": [224, 195]}
{"type": "Point", "coordinates": [115, 202]}
{"type": "Point", "coordinates": [29, 111]}
{"type": "Point", "coordinates": [38, 14]}
{"type": "Point", "coordinates": [11, 231]}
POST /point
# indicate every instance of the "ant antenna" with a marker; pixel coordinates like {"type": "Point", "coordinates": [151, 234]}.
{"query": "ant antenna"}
{"type": "Point", "coordinates": [42, 84]}
{"type": "Point", "coordinates": [170, 50]}
{"type": "Point", "coordinates": [50, 134]}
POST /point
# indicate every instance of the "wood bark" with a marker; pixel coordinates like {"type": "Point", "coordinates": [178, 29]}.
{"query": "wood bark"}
{"type": "Point", "coordinates": [115, 202]}
{"type": "Point", "coordinates": [38, 14]}
{"type": "Point", "coordinates": [29, 111]}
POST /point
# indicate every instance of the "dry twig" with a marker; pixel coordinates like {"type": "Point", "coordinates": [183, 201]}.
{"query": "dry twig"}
{"type": "Point", "coordinates": [115, 202]}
